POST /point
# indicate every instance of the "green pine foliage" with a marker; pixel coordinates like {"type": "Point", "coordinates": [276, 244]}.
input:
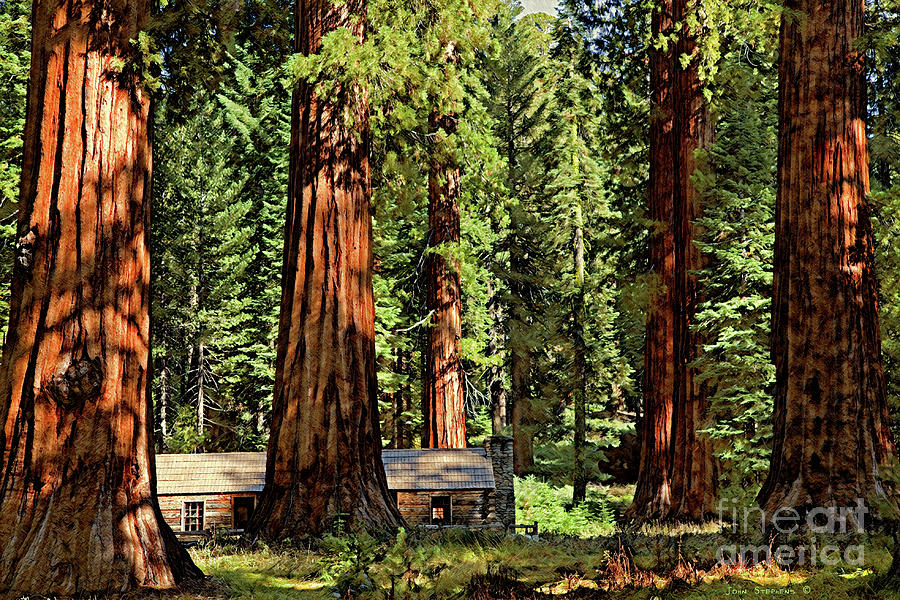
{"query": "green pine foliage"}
{"type": "Point", "coordinates": [430, 66]}
{"type": "Point", "coordinates": [883, 58]}
{"type": "Point", "coordinates": [220, 187]}
{"type": "Point", "coordinates": [15, 60]}
{"type": "Point", "coordinates": [203, 251]}
{"type": "Point", "coordinates": [615, 36]}
{"type": "Point", "coordinates": [737, 185]}
{"type": "Point", "coordinates": [519, 85]}
{"type": "Point", "coordinates": [552, 138]}
{"type": "Point", "coordinates": [549, 506]}
{"type": "Point", "coordinates": [582, 314]}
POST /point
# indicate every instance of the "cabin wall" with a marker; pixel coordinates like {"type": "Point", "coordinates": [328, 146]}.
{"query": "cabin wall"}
{"type": "Point", "coordinates": [218, 510]}
{"type": "Point", "coordinates": [470, 508]}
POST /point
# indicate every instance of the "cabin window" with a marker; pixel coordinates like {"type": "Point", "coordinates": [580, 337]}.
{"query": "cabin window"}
{"type": "Point", "coordinates": [243, 510]}
{"type": "Point", "coordinates": [192, 516]}
{"type": "Point", "coordinates": [440, 510]}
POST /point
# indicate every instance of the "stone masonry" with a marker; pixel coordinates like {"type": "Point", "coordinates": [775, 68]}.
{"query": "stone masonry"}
{"type": "Point", "coordinates": [499, 450]}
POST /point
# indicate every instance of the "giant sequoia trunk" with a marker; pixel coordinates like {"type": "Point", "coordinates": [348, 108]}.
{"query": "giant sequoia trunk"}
{"type": "Point", "coordinates": [652, 496]}
{"type": "Point", "coordinates": [677, 476]}
{"type": "Point", "coordinates": [694, 469]}
{"type": "Point", "coordinates": [443, 408]}
{"type": "Point", "coordinates": [77, 508]}
{"type": "Point", "coordinates": [324, 456]}
{"type": "Point", "coordinates": [830, 422]}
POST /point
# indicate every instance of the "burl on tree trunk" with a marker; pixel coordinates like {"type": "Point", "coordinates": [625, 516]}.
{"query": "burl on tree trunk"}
{"type": "Point", "coordinates": [443, 407]}
{"type": "Point", "coordinates": [324, 456]}
{"type": "Point", "coordinates": [831, 421]}
{"type": "Point", "coordinates": [677, 476]}
{"type": "Point", "coordinates": [78, 513]}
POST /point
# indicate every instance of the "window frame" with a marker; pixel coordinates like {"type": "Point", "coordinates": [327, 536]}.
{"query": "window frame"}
{"type": "Point", "coordinates": [449, 518]}
{"type": "Point", "coordinates": [184, 515]}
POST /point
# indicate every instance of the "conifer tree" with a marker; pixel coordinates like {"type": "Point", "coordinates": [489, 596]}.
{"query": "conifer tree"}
{"type": "Point", "coordinates": [518, 86]}
{"type": "Point", "coordinates": [575, 188]}
{"type": "Point", "coordinates": [883, 60]}
{"type": "Point", "coordinates": [15, 57]}
{"type": "Point", "coordinates": [78, 514]}
{"type": "Point", "coordinates": [324, 457]}
{"type": "Point", "coordinates": [226, 151]}
{"type": "Point", "coordinates": [737, 185]}
{"type": "Point", "coordinates": [444, 401]}
{"type": "Point", "coordinates": [831, 433]}
{"type": "Point", "coordinates": [677, 476]}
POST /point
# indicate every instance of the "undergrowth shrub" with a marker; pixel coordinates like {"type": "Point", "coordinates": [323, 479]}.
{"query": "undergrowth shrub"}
{"type": "Point", "coordinates": [551, 507]}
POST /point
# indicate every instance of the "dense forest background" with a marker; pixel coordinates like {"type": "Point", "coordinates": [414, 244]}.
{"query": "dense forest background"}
{"type": "Point", "coordinates": [552, 141]}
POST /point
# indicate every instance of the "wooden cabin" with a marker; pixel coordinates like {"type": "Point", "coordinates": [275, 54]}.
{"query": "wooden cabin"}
{"type": "Point", "coordinates": [205, 492]}
{"type": "Point", "coordinates": [470, 487]}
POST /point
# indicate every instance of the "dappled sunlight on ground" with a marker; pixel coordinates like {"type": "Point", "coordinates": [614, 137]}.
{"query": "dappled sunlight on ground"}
{"type": "Point", "coordinates": [461, 564]}
{"type": "Point", "coordinates": [259, 575]}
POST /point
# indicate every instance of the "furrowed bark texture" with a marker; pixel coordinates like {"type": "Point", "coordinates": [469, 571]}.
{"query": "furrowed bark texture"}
{"type": "Point", "coordinates": [677, 477]}
{"type": "Point", "coordinates": [324, 456]}
{"type": "Point", "coordinates": [652, 496]}
{"type": "Point", "coordinates": [78, 513]}
{"type": "Point", "coordinates": [694, 469]}
{"type": "Point", "coordinates": [830, 421]}
{"type": "Point", "coordinates": [443, 407]}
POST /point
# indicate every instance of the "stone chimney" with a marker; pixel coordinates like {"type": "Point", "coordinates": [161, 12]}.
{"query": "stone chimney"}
{"type": "Point", "coordinates": [499, 450]}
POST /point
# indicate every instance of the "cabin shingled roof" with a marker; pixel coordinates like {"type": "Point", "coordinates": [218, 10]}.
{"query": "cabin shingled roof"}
{"type": "Point", "coordinates": [210, 473]}
{"type": "Point", "coordinates": [245, 472]}
{"type": "Point", "coordinates": [438, 469]}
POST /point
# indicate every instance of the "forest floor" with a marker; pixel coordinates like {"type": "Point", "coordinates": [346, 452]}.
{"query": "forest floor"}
{"type": "Point", "coordinates": [581, 553]}
{"type": "Point", "coordinates": [668, 563]}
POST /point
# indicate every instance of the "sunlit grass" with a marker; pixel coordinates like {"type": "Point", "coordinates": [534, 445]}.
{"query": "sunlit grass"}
{"type": "Point", "coordinates": [461, 564]}
{"type": "Point", "coordinates": [264, 575]}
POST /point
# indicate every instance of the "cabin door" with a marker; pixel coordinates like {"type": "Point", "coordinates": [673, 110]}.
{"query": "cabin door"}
{"type": "Point", "coordinates": [243, 509]}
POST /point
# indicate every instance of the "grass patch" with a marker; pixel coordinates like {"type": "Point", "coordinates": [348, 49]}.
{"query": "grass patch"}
{"type": "Point", "coordinates": [462, 564]}
{"type": "Point", "coordinates": [263, 574]}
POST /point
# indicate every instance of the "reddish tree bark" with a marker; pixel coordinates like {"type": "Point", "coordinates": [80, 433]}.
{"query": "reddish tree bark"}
{"type": "Point", "coordinates": [652, 496]}
{"type": "Point", "coordinates": [830, 422]}
{"type": "Point", "coordinates": [677, 477]}
{"type": "Point", "coordinates": [324, 456]}
{"type": "Point", "coordinates": [78, 513]}
{"type": "Point", "coordinates": [694, 469]}
{"type": "Point", "coordinates": [443, 407]}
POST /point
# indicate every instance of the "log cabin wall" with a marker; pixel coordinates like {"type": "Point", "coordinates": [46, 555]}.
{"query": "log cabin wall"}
{"type": "Point", "coordinates": [218, 509]}
{"type": "Point", "coordinates": [469, 508]}
{"type": "Point", "coordinates": [478, 481]}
